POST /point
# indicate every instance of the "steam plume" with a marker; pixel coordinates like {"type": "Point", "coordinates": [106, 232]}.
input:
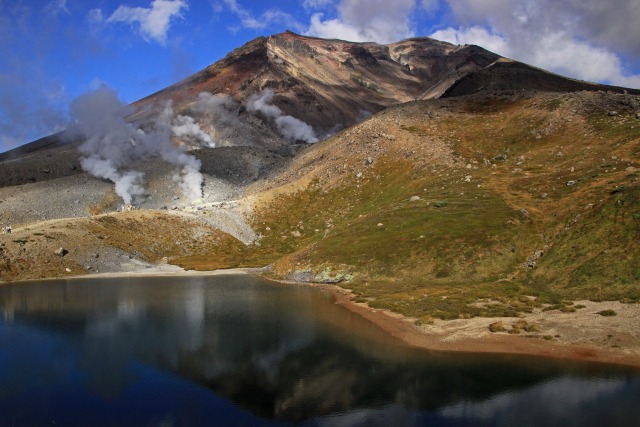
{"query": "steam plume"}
{"type": "Point", "coordinates": [220, 112]}
{"type": "Point", "coordinates": [291, 128]}
{"type": "Point", "coordinates": [113, 146]}
{"type": "Point", "coordinates": [184, 127]}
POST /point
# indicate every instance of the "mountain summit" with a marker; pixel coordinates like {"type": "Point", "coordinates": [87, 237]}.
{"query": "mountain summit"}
{"type": "Point", "coordinates": [332, 84]}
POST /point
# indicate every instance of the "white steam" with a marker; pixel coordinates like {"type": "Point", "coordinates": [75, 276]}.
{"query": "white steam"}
{"type": "Point", "coordinates": [185, 128]}
{"type": "Point", "coordinates": [220, 112]}
{"type": "Point", "coordinates": [289, 127]}
{"type": "Point", "coordinates": [113, 146]}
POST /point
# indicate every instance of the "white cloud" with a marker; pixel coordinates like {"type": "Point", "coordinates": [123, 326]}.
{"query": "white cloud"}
{"type": "Point", "coordinates": [334, 29]}
{"type": "Point", "coordinates": [382, 21]}
{"type": "Point", "coordinates": [566, 36]}
{"type": "Point", "coordinates": [155, 21]}
{"type": "Point", "coordinates": [268, 18]}
{"type": "Point", "coordinates": [56, 6]}
{"type": "Point", "coordinates": [569, 401]}
{"type": "Point", "coordinates": [431, 5]}
{"type": "Point", "coordinates": [95, 16]}
{"type": "Point", "coordinates": [474, 35]}
{"type": "Point", "coordinates": [316, 4]}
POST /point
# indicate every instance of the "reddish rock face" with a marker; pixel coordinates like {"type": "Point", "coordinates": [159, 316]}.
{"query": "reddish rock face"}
{"type": "Point", "coordinates": [328, 83]}
{"type": "Point", "coordinates": [331, 84]}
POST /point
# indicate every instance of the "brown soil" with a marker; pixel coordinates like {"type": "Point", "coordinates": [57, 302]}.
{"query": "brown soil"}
{"type": "Point", "coordinates": [583, 335]}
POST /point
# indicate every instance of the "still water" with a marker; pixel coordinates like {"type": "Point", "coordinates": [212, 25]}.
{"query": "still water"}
{"type": "Point", "coordinates": [242, 351]}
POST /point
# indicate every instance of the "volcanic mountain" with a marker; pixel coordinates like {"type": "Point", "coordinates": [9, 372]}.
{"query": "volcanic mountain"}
{"type": "Point", "coordinates": [332, 84]}
{"type": "Point", "coordinates": [327, 84]}
{"type": "Point", "coordinates": [448, 182]}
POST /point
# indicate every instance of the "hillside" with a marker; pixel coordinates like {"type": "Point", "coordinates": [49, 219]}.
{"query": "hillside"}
{"type": "Point", "coordinates": [481, 187]}
{"type": "Point", "coordinates": [431, 207]}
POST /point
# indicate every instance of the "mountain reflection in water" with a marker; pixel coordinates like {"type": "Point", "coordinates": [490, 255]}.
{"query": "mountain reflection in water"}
{"type": "Point", "coordinates": [239, 350]}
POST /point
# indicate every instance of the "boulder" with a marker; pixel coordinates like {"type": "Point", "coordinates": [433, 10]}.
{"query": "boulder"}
{"type": "Point", "coordinates": [61, 251]}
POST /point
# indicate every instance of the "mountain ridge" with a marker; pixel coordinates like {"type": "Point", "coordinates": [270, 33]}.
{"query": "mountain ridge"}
{"type": "Point", "coordinates": [332, 84]}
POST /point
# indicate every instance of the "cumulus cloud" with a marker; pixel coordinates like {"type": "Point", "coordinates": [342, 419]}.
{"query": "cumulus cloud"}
{"type": "Point", "coordinates": [380, 21]}
{"type": "Point", "coordinates": [155, 21]}
{"type": "Point", "coordinates": [291, 128]}
{"type": "Point", "coordinates": [576, 38]}
{"type": "Point", "coordinates": [113, 146]}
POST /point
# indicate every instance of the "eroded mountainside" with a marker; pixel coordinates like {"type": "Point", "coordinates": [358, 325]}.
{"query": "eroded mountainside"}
{"type": "Point", "coordinates": [332, 84]}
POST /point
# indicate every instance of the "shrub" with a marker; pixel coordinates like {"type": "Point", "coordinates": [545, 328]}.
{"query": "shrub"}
{"type": "Point", "coordinates": [497, 326]}
{"type": "Point", "coordinates": [607, 313]}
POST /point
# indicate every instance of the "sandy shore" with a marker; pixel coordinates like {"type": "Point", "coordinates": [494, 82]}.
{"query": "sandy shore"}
{"type": "Point", "coordinates": [582, 335]}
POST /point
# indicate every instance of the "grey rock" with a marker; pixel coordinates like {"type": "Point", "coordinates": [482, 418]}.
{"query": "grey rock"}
{"type": "Point", "coordinates": [612, 113]}
{"type": "Point", "coordinates": [301, 276]}
{"type": "Point", "coordinates": [61, 251]}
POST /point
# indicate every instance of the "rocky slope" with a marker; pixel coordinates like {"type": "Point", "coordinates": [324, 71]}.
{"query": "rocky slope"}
{"type": "Point", "coordinates": [332, 84]}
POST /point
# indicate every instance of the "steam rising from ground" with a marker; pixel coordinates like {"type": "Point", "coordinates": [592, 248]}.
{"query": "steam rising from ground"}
{"type": "Point", "coordinates": [113, 146]}
{"type": "Point", "coordinates": [289, 127]}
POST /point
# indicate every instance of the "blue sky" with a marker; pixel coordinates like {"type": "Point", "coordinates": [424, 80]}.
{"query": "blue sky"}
{"type": "Point", "coordinates": [51, 51]}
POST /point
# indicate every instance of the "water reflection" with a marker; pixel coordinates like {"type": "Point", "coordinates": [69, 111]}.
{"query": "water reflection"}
{"type": "Point", "coordinates": [236, 350]}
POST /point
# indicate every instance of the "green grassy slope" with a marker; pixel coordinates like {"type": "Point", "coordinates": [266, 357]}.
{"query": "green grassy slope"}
{"type": "Point", "coordinates": [482, 206]}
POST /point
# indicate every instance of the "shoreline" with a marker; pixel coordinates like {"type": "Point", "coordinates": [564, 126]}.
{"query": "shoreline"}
{"type": "Point", "coordinates": [403, 328]}
{"type": "Point", "coordinates": [431, 338]}
{"type": "Point", "coordinates": [460, 336]}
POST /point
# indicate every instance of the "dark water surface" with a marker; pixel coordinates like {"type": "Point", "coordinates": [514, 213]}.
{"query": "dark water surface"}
{"type": "Point", "coordinates": [241, 351]}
